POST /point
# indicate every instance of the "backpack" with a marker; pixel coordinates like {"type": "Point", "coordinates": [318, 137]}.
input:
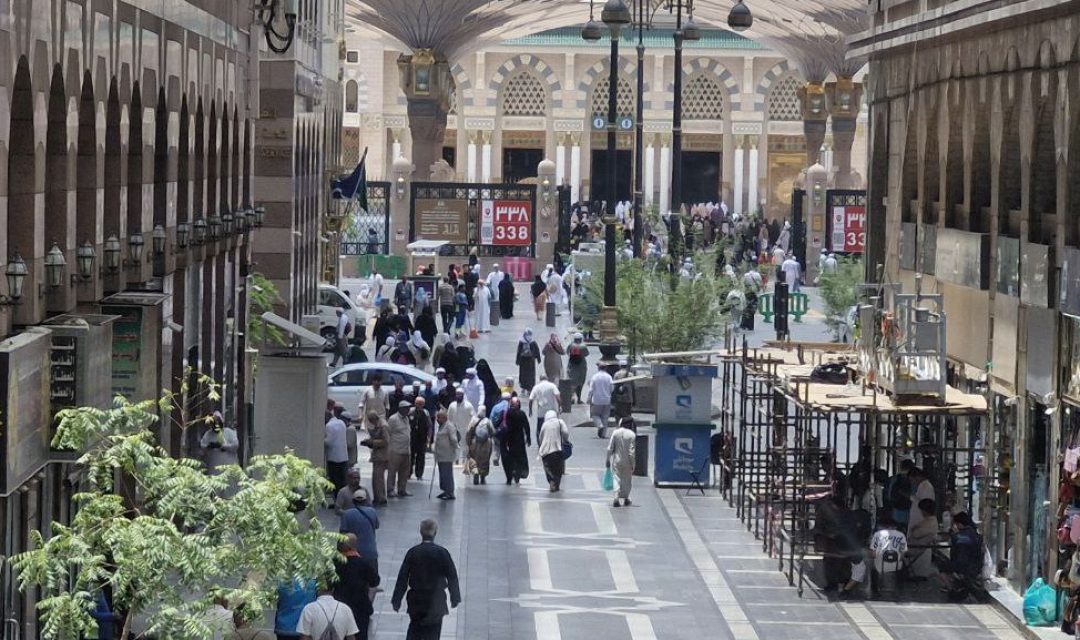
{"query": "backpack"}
{"type": "Point", "coordinates": [482, 434]}
{"type": "Point", "coordinates": [330, 632]}
{"type": "Point", "coordinates": [576, 356]}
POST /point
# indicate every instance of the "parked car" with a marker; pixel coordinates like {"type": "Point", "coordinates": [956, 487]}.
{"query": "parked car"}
{"type": "Point", "coordinates": [330, 300]}
{"type": "Point", "coordinates": [347, 384]}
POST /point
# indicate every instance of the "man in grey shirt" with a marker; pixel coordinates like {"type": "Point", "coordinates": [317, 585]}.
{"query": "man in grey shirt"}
{"type": "Point", "coordinates": [400, 436]}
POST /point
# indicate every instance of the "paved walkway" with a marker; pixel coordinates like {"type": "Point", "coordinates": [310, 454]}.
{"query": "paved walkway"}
{"type": "Point", "coordinates": [537, 566]}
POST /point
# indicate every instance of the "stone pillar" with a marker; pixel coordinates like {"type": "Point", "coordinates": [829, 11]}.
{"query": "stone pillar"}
{"type": "Point", "coordinates": [400, 181]}
{"type": "Point", "coordinates": [425, 79]}
{"type": "Point", "coordinates": [560, 159]}
{"type": "Point", "coordinates": [817, 182]}
{"type": "Point", "coordinates": [395, 148]}
{"type": "Point", "coordinates": [575, 168]}
{"type": "Point", "coordinates": [547, 222]}
{"type": "Point", "coordinates": [752, 203]}
{"type": "Point", "coordinates": [470, 158]}
{"type": "Point", "coordinates": [815, 116]}
{"type": "Point", "coordinates": [665, 175]}
{"type": "Point", "coordinates": [844, 97]}
{"type": "Point", "coordinates": [485, 157]}
{"type": "Point", "coordinates": [650, 171]}
{"type": "Point", "coordinates": [738, 194]}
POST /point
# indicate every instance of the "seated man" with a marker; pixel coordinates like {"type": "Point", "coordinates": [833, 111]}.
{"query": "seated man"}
{"type": "Point", "coordinates": [888, 545]}
{"type": "Point", "coordinates": [858, 585]}
{"type": "Point", "coordinates": [962, 571]}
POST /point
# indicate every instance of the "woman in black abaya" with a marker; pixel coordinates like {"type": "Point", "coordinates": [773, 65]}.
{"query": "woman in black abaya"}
{"type": "Point", "coordinates": [506, 297]}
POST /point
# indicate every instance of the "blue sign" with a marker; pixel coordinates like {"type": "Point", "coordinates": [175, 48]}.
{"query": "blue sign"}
{"type": "Point", "coordinates": [679, 451]}
{"type": "Point", "coordinates": [599, 122]}
{"type": "Point", "coordinates": [685, 370]}
{"type": "Point", "coordinates": [626, 123]}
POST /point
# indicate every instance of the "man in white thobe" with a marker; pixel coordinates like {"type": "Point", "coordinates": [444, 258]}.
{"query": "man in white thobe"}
{"type": "Point", "coordinates": [792, 273]}
{"type": "Point", "coordinates": [483, 307]}
{"type": "Point", "coordinates": [494, 279]}
{"type": "Point", "coordinates": [461, 413]}
{"type": "Point", "coordinates": [555, 290]}
{"type": "Point", "coordinates": [620, 457]}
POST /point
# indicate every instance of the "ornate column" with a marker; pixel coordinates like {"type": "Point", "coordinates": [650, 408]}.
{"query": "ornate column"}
{"type": "Point", "coordinates": [737, 186]}
{"type": "Point", "coordinates": [395, 147]}
{"type": "Point", "coordinates": [485, 156]}
{"type": "Point", "coordinates": [425, 78]}
{"type": "Point", "coordinates": [560, 159]}
{"type": "Point", "coordinates": [665, 174]}
{"type": "Point", "coordinates": [575, 167]}
{"type": "Point", "coordinates": [815, 115]}
{"type": "Point", "coordinates": [752, 203]}
{"type": "Point", "coordinates": [844, 97]}
{"type": "Point", "coordinates": [650, 152]}
{"type": "Point", "coordinates": [470, 158]}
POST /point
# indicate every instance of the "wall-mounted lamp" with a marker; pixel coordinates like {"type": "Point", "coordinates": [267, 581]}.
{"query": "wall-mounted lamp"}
{"type": "Point", "coordinates": [136, 243]}
{"type": "Point", "coordinates": [183, 232]}
{"type": "Point", "coordinates": [199, 230]}
{"type": "Point", "coordinates": [399, 187]}
{"type": "Point", "coordinates": [260, 215]}
{"type": "Point", "coordinates": [54, 267]}
{"type": "Point", "coordinates": [241, 222]}
{"type": "Point", "coordinates": [249, 214]}
{"type": "Point", "coordinates": [158, 237]}
{"type": "Point", "coordinates": [85, 257]}
{"type": "Point", "coordinates": [215, 227]}
{"type": "Point", "coordinates": [227, 223]}
{"type": "Point", "coordinates": [267, 12]}
{"type": "Point", "coordinates": [16, 274]}
{"type": "Point", "coordinates": [112, 254]}
{"type": "Point", "coordinates": [819, 193]}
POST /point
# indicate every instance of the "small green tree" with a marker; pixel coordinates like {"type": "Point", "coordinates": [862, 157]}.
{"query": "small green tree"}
{"type": "Point", "coordinates": [187, 538]}
{"type": "Point", "coordinates": [661, 312]}
{"type": "Point", "coordinates": [262, 297]}
{"type": "Point", "coordinates": [839, 291]}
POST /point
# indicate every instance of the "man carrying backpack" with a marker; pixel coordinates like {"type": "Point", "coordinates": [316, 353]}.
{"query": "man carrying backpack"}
{"type": "Point", "coordinates": [326, 618]}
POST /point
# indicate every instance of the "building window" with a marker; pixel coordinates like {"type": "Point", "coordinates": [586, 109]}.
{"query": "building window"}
{"type": "Point", "coordinates": [352, 97]}
{"type": "Point", "coordinates": [783, 100]}
{"type": "Point", "coordinates": [624, 98]}
{"type": "Point", "coordinates": [703, 99]}
{"type": "Point", "coordinates": [352, 57]}
{"type": "Point", "coordinates": [523, 95]}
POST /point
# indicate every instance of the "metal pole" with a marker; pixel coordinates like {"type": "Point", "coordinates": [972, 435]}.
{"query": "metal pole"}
{"type": "Point", "coordinates": [639, 151]}
{"type": "Point", "coordinates": [676, 115]}
{"type": "Point", "coordinates": [612, 158]}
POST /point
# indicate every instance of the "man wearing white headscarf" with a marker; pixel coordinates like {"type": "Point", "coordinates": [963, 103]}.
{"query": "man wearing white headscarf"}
{"type": "Point", "coordinates": [383, 355]}
{"type": "Point", "coordinates": [473, 387]}
{"type": "Point", "coordinates": [784, 241]}
{"type": "Point", "coordinates": [494, 279]}
{"type": "Point", "coordinates": [555, 291]}
{"type": "Point", "coordinates": [482, 304]}
{"type": "Point", "coordinates": [421, 351]}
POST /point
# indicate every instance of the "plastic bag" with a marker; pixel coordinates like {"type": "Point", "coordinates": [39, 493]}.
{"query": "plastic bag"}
{"type": "Point", "coordinates": [1040, 604]}
{"type": "Point", "coordinates": [608, 482]}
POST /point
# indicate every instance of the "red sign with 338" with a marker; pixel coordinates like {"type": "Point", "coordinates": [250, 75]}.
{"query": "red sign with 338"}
{"type": "Point", "coordinates": [506, 223]}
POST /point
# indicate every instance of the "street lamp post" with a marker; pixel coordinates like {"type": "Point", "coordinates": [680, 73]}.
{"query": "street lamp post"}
{"type": "Point", "coordinates": [639, 130]}
{"type": "Point", "coordinates": [615, 15]}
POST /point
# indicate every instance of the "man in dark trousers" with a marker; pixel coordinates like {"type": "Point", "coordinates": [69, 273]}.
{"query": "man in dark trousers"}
{"type": "Point", "coordinates": [427, 571]}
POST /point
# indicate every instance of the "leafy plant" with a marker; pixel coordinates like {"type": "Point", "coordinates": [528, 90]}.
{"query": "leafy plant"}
{"type": "Point", "coordinates": [661, 312]}
{"type": "Point", "coordinates": [262, 296]}
{"type": "Point", "coordinates": [839, 291]}
{"type": "Point", "coordinates": [185, 539]}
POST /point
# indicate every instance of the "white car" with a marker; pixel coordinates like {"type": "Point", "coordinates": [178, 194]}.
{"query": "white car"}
{"type": "Point", "coordinates": [330, 300]}
{"type": "Point", "coordinates": [346, 385]}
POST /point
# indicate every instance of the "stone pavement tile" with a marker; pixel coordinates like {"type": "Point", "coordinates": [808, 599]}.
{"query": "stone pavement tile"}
{"type": "Point", "coordinates": [912, 613]}
{"type": "Point", "coordinates": [783, 630]}
{"type": "Point", "coordinates": [938, 632]}
{"type": "Point", "coordinates": [809, 612]}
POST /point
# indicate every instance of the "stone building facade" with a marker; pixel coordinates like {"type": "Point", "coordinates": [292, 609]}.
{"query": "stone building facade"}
{"type": "Point", "coordinates": [539, 97]}
{"type": "Point", "coordinates": [974, 180]}
{"type": "Point", "coordinates": [127, 132]}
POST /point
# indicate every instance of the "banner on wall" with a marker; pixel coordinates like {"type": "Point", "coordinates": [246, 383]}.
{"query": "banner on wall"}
{"type": "Point", "coordinates": [848, 228]}
{"type": "Point", "coordinates": [506, 223]}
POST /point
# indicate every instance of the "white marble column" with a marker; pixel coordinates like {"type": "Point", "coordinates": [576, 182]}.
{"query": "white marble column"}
{"type": "Point", "coordinates": [470, 159]}
{"type": "Point", "coordinates": [396, 150]}
{"type": "Point", "coordinates": [665, 177]}
{"type": "Point", "coordinates": [575, 169]}
{"type": "Point", "coordinates": [649, 172]}
{"type": "Point", "coordinates": [485, 157]}
{"type": "Point", "coordinates": [752, 181]}
{"type": "Point", "coordinates": [560, 160]}
{"type": "Point", "coordinates": [827, 158]}
{"type": "Point", "coordinates": [737, 186]}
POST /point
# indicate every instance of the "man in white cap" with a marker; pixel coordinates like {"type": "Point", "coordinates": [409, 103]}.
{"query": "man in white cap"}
{"type": "Point", "coordinates": [555, 290]}
{"type": "Point", "coordinates": [830, 265]}
{"type": "Point", "coordinates": [792, 272]}
{"type": "Point", "coordinates": [473, 388]}
{"type": "Point", "coordinates": [493, 280]}
{"type": "Point", "coordinates": [461, 413]}
{"type": "Point", "coordinates": [440, 380]}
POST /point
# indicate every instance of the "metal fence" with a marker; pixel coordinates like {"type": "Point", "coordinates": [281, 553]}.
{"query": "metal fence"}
{"type": "Point", "coordinates": [359, 240]}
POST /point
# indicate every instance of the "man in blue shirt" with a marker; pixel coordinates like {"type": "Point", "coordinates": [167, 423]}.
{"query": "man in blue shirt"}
{"type": "Point", "coordinates": [292, 598]}
{"type": "Point", "coordinates": [362, 521]}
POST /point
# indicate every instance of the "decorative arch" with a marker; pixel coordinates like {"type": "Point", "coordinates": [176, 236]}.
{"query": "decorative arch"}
{"type": "Point", "coordinates": [523, 95]}
{"type": "Point", "coordinates": [782, 101]}
{"type": "Point", "coordinates": [703, 98]}
{"type": "Point", "coordinates": [624, 96]}
{"type": "Point", "coordinates": [462, 87]}
{"type": "Point", "coordinates": [764, 86]}
{"type": "Point", "coordinates": [528, 61]}
{"type": "Point", "coordinates": [707, 66]}
{"type": "Point", "coordinates": [599, 72]}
